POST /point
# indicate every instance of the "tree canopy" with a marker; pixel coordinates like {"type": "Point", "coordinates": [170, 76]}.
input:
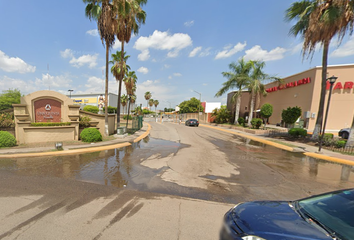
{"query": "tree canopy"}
{"type": "Point", "coordinates": [191, 106]}
{"type": "Point", "coordinates": [9, 97]}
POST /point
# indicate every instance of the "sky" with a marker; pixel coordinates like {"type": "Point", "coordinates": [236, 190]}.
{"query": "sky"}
{"type": "Point", "coordinates": [180, 51]}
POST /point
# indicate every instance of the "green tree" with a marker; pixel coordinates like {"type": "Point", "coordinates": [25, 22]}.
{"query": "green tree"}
{"type": "Point", "coordinates": [156, 103]}
{"type": "Point", "coordinates": [221, 115]}
{"type": "Point", "coordinates": [119, 71]}
{"type": "Point", "coordinates": [102, 11]}
{"type": "Point", "coordinates": [151, 102]}
{"type": "Point", "coordinates": [124, 101]}
{"type": "Point", "coordinates": [130, 86]}
{"type": "Point", "coordinates": [266, 112]}
{"type": "Point", "coordinates": [147, 96]}
{"type": "Point", "coordinates": [238, 78]}
{"type": "Point", "coordinates": [9, 97]}
{"type": "Point", "coordinates": [191, 106]}
{"type": "Point", "coordinates": [291, 114]}
{"type": "Point", "coordinates": [318, 22]}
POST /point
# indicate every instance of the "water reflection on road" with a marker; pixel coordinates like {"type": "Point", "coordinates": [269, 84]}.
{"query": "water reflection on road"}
{"type": "Point", "coordinates": [123, 168]}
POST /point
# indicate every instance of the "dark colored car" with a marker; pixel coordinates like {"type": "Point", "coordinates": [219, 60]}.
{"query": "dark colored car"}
{"type": "Point", "coordinates": [344, 133]}
{"type": "Point", "coordinates": [192, 122]}
{"type": "Point", "coordinates": [325, 216]}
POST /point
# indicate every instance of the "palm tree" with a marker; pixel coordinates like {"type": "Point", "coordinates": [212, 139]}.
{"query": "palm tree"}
{"type": "Point", "coordinates": [318, 22]}
{"type": "Point", "coordinates": [129, 18]}
{"type": "Point", "coordinates": [119, 70]}
{"type": "Point", "coordinates": [102, 11]}
{"type": "Point", "coordinates": [151, 102]}
{"type": "Point", "coordinates": [238, 77]}
{"type": "Point", "coordinates": [156, 103]}
{"type": "Point", "coordinates": [124, 100]}
{"type": "Point", "coordinates": [147, 96]}
{"type": "Point", "coordinates": [130, 86]}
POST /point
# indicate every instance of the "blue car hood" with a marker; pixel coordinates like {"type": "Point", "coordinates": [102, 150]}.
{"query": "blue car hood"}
{"type": "Point", "coordinates": [274, 220]}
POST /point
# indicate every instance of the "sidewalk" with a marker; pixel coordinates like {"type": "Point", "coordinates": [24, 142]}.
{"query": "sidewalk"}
{"type": "Point", "coordinates": [308, 150]}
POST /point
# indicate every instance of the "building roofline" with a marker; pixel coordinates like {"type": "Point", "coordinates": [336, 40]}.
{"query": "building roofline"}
{"type": "Point", "coordinates": [317, 67]}
{"type": "Point", "coordinates": [89, 94]}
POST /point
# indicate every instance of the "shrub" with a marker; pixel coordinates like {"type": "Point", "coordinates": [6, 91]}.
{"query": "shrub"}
{"type": "Point", "coordinates": [212, 119]}
{"type": "Point", "coordinates": [126, 116]}
{"type": "Point", "coordinates": [291, 114]}
{"type": "Point", "coordinates": [256, 123]}
{"type": "Point", "coordinates": [6, 120]}
{"type": "Point", "coordinates": [340, 143]}
{"type": "Point", "coordinates": [241, 121]}
{"type": "Point", "coordinates": [91, 135]}
{"type": "Point", "coordinates": [7, 139]}
{"type": "Point", "coordinates": [110, 109]}
{"type": "Point", "coordinates": [84, 121]}
{"type": "Point", "coordinates": [327, 139]}
{"type": "Point", "coordinates": [297, 132]}
{"type": "Point", "coordinates": [50, 124]}
{"type": "Point", "coordinates": [92, 109]}
{"type": "Point", "coordinates": [222, 115]}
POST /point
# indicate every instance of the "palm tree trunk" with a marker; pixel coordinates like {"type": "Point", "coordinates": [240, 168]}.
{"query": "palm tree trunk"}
{"type": "Point", "coordinates": [120, 88]}
{"type": "Point", "coordinates": [319, 119]}
{"type": "Point", "coordinates": [250, 115]}
{"type": "Point", "coordinates": [106, 132]}
{"type": "Point", "coordinates": [238, 105]}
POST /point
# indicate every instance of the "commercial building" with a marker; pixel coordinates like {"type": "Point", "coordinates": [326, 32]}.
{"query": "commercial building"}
{"type": "Point", "coordinates": [93, 99]}
{"type": "Point", "coordinates": [303, 90]}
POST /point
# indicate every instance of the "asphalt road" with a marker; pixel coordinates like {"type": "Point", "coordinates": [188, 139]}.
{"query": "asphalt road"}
{"type": "Point", "coordinates": [176, 184]}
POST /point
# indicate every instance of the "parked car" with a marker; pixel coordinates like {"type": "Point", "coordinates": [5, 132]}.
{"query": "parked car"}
{"type": "Point", "coordinates": [325, 216]}
{"type": "Point", "coordinates": [192, 122]}
{"type": "Point", "coordinates": [344, 133]}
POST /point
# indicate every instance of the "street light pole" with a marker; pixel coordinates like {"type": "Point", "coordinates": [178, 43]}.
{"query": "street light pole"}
{"type": "Point", "coordinates": [70, 90]}
{"type": "Point", "coordinates": [200, 102]}
{"type": "Point", "coordinates": [331, 80]}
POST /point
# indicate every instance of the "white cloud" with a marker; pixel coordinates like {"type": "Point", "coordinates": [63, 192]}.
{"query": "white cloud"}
{"type": "Point", "coordinates": [11, 64]}
{"type": "Point", "coordinates": [143, 70]}
{"type": "Point", "coordinates": [97, 85]}
{"type": "Point", "coordinates": [177, 74]}
{"type": "Point", "coordinates": [53, 82]}
{"type": "Point", "coordinates": [195, 51]}
{"type": "Point", "coordinates": [166, 66]}
{"type": "Point", "coordinates": [297, 48]}
{"type": "Point", "coordinates": [93, 32]}
{"type": "Point", "coordinates": [205, 53]}
{"type": "Point", "coordinates": [159, 91]}
{"type": "Point", "coordinates": [90, 60]}
{"type": "Point", "coordinates": [117, 44]}
{"type": "Point", "coordinates": [162, 41]}
{"type": "Point", "coordinates": [257, 53]}
{"type": "Point", "coordinates": [189, 23]}
{"type": "Point", "coordinates": [25, 87]}
{"type": "Point", "coordinates": [227, 52]}
{"type": "Point", "coordinates": [346, 50]}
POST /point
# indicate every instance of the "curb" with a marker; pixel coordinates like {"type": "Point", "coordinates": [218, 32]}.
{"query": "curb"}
{"type": "Point", "coordinates": [290, 149]}
{"type": "Point", "coordinates": [78, 150]}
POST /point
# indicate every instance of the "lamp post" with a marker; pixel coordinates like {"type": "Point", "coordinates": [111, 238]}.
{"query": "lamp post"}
{"type": "Point", "coordinates": [331, 80]}
{"type": "Point", "coordinates": [200, 99]}
{"type": "Point", "coordinates": [70, 90]}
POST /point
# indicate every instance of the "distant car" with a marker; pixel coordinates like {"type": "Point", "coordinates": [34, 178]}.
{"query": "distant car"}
{"type": "Point", "coordinates": [344, 133]}
{"type": "Point", "coordinates": [192, 122]}
{"type": "Point", "coordinates": [326, 216]}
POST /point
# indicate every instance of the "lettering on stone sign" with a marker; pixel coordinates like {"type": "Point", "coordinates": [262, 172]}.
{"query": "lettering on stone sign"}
{"type": "Point", "coordinates": [48, 114]}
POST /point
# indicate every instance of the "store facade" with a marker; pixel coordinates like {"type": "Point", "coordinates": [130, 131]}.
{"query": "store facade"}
{"type": "Point", "coordinates": [303, 90]}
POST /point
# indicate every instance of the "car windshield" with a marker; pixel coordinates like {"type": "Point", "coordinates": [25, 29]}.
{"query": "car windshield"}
{"type": "Point", "coordinates": [193, 120]}
{"type": "Point", "coordinates": [334, 211]}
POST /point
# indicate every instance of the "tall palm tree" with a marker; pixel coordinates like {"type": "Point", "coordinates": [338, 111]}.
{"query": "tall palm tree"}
{"type": "Point", "coordinates": [156, 103]}
{"type": "Point", "coordinates": [151, 102]}
{"type": "Point", "coordinates": [102, 11]}
{"type": "Point", "coordinates": [129, 18]}
{"type": "Point", "coordinates": [147, 96]}
{"type": "Point", "coordinates": [124, 101]}
{"type": "Point", "coordinates": [238, 78]}
{"type": "Point", "coordinates": [119, 70]}
{"type": "Point", "coordinates": [130, 85]}
{"type": "Point", "coordinates": [318, 22]}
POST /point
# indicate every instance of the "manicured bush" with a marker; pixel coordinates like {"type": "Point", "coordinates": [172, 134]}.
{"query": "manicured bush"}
{"type": "Point", "coordinates": [6, 120]}
{"type": "Point", "coordinates": [256, 123]}
{"type": "Point", "coordinates": [126, 116]}
{"type": "Point", "coordinates": [297, 132]}
{"type": "Point", "coordinates": [291, 114]}
{"type": "Point", "coordinates": [340, 143]}
{"type": "Point", "coordinates": [241, 121]}
{"type": "Point", "coordinates": [92, 109]}
{"type": "Point", "coordinates": [84, 121]}
{"type": "Point", "coordinates": [91, 135]}
{"type": "Point", "coordinates": [110, 109]}
{"type": "Point", "coordinates": [50, 124]}
{"type": "Point", "coordinates": [7, 139]}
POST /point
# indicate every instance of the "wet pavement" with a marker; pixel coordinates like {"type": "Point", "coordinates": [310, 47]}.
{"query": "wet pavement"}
{"type": "Point", "coordinates": [174, 160]}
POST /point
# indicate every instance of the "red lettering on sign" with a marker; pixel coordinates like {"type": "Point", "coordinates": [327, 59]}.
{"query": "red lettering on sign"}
{"type": "Point", "coordinates": [338, 86]}
{"type": "Point", "coordinates": [348, 85]}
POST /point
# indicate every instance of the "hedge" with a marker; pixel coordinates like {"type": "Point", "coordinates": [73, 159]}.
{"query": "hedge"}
{"type": "Point", "coordinates": [50, 124]}
{"type": "Point", "coordinates": [297, 132]}
{"type": "Point", "coordinates": [91, 135]}
{"type": "Point", "coordinates": [7, 139]}
{"type": "Point", "coordinates": [89, 108]}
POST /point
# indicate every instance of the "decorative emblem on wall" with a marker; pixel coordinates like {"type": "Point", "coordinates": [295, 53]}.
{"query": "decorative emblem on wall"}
{"type": "Point", "coordinates": [48, 107]}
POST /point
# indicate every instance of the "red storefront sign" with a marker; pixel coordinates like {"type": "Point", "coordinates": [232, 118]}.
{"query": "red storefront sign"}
{"type": "Point", "coordinates": [339, 85]}
{"type": "Point", "coordinates": [289, 85]}
{"type": "Point", "coordinates": [47, 110]}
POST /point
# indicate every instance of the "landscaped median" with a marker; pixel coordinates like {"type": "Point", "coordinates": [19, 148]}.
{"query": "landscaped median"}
{"type": "Point", "coordinates": [281, 146]}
